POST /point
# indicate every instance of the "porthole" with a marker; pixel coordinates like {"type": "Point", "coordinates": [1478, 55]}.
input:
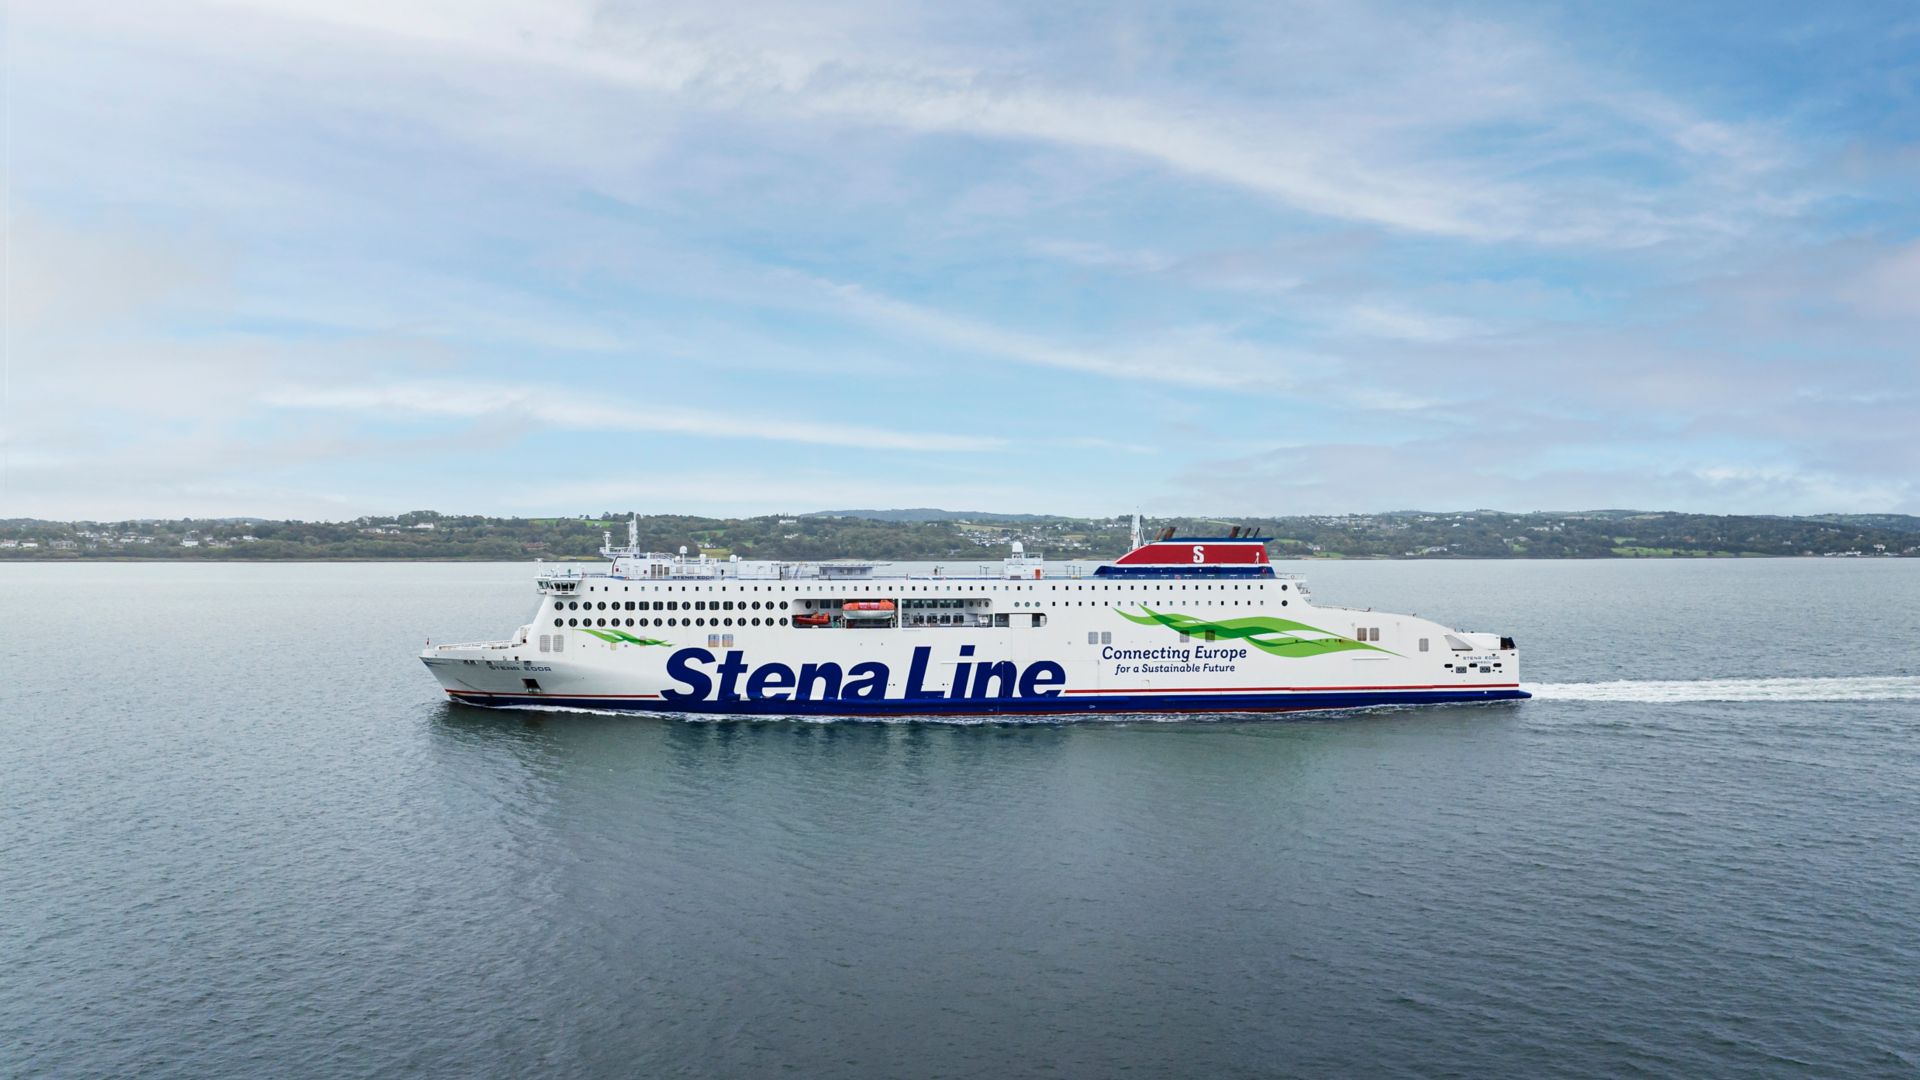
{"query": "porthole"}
{"type": "Point", "coordinates": [629, 622]}
{"type": "Point", "coordinates": [656, 620]}
{"type": "Point", "coordinates": [558, 622]}
{"type": "Point", "coordinates": [573, 622]}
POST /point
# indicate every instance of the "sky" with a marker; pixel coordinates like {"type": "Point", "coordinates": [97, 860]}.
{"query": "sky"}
{"type": "Point", "coordinates": [326, 258]}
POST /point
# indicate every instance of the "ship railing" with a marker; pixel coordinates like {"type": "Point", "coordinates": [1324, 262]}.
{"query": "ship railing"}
{"type": "Point", "coordinates": [470, 646]}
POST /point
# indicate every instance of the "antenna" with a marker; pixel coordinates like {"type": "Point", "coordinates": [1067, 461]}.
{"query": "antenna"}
{"type": "Point", "coordinates": [1136, 530]}
{"type": "Point", "coordinates": [633, 533]}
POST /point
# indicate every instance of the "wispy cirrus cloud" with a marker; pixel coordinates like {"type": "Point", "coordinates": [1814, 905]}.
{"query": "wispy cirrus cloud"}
{"type": "Point", "coordinates": [558, 406]}
{"type": "Point", "coordinates": [1545, 250]}
{"type": "Point", "coordinates": [1366, 146]}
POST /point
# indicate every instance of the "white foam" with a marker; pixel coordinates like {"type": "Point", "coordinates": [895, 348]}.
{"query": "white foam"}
{"type": "Point", "coordinates": [1850, 688]}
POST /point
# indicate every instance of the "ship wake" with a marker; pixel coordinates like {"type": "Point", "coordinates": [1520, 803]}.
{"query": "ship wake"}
{"type": "Point", "coordinates": [1842, 688]}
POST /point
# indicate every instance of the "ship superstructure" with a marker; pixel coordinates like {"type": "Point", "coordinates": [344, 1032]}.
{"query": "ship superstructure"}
{"type": "Point", "coordinates": [1187, 624]}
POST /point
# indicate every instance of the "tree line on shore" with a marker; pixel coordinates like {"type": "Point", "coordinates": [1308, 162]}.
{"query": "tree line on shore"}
{"type": "Point", "coordinates": [909, 535]}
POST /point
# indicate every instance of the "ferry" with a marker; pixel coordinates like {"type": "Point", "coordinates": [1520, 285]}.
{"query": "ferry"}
{"type": "Point", "coordinates": [1195, 624]}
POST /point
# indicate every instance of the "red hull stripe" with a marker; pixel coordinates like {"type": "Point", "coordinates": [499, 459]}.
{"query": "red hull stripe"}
{"type": "Point", "coordinates": [548, 693]}
{"type": "Point", "coordinates": [1300, 689]}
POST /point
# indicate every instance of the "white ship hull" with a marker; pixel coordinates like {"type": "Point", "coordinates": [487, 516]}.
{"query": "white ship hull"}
{"type": "Point", "coordinates": [641, 638]}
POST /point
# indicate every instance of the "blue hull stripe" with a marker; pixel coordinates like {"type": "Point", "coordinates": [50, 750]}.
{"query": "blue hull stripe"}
{"type": "Point", "coordinates": [1050, 706]}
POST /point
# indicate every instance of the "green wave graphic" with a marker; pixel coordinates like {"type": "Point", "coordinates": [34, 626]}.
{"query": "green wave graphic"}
{"type": "Point", "coordinates": [1279, 637]}
{"type": "Point", "coordinates": [616, 637]}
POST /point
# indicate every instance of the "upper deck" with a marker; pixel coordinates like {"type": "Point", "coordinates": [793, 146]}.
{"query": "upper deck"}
{"type": "Point", "coordinates": [1205, 558]}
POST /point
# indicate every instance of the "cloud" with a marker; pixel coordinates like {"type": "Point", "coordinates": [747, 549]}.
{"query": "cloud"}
{"type": "Point", "coordinates": [1366, 145]}
{"type": "Point", "coordinates": [1506, 471]}
{"type": "Point", "coordinates": [1415, 251]}
{"type": "Point", "coordinates": [1889, 286]}
{"type": "Point", "coordinates": [564, 408]}
{"type": "Point", "coordinates": [1197, 356]}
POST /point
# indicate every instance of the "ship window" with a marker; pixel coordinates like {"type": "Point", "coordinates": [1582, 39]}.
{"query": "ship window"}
{"type": "Point", "coordinates": [602, 622]}
{"type": "Point", "coordinates": [1106, 637]}
{"type": "Point", "coordinates": [557, 622]}
{"type": "Point", "coordinates": [573, 622]}
{"type": "Point", "coordinates": [1093, 637]}
{"type": "Point", "coordinates": [1423, 644]}
{"type": "Point", "coordinates": [656, 621]}
{"type": "Point", "coordinates": [629, 622]}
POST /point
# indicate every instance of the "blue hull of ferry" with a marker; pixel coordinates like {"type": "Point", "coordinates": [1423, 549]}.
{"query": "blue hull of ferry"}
{"type": "Point", "coordinates": [1011, 707]}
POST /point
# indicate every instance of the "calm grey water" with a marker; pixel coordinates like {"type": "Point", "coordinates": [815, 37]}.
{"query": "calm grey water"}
{"type": "Point", "coordinates": [242, 834]}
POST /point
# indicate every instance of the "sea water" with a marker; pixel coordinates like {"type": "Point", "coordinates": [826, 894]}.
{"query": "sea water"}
{"type": "Point", "coordinates": [242, 833]}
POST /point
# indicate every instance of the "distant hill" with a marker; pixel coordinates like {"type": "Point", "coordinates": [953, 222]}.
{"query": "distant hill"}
{"type": "Point", "coordinates": [1896, 522]}
{"type": "Point", "coordinates": [973, 537]}
{"type": "Point", "coordinates": [930, 514]}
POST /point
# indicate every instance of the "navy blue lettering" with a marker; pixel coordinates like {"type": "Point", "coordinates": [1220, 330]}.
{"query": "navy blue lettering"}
{"type": "Point", "coordinates": [866, 682]}
{"type": "Point", "coordinates": [1046, 673]}
{"type": "Point", "coordinates": [734, 666]}
{"type": "Point", "coordinates": [767, 678]}
{"type": "Point", "coordinates": [680, 669]}
{"type": "Point", "coordinates": [1005, 671]}
{"type": "Point", "coordinates": [917, 671]}
{"type": "Point", "coordinates": [826, 674]}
